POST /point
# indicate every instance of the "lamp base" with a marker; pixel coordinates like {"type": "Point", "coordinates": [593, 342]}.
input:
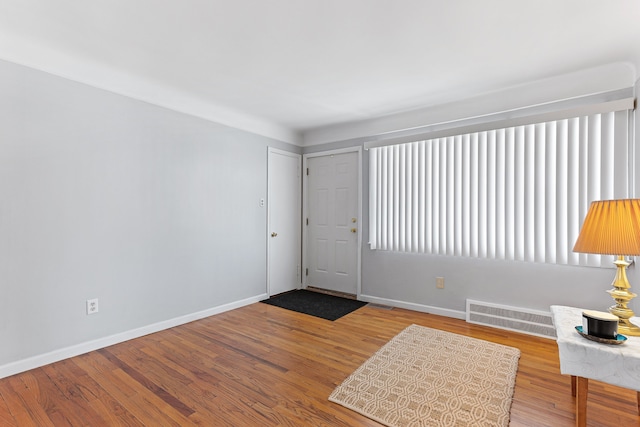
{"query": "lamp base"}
{"type": "Point", "coordinates": [625, 327]}
{"type": "Point", "coordinates": [621, 293]}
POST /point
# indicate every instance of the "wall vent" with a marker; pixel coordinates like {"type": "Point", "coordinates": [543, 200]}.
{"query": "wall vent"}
{"type": "Point", "coordinates": [517, 319]}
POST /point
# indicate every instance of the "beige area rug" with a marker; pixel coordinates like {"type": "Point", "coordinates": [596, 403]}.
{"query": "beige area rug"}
{"type": "Point", "coordinates": [428, 377]}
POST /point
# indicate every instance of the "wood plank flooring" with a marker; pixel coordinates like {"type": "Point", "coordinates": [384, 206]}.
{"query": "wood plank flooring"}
{"type": "Point", "coordinates": [262, 365]}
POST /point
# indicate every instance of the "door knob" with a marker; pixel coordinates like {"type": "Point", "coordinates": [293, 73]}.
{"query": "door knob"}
{"type": "Point", "coordinates": [274, 234]}
{"type": "Point", "coordinates": [353, 230]}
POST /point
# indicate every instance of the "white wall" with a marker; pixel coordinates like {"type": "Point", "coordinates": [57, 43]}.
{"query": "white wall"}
{"type": "Point", "coordinates": [153, 212]}
{"type": "Point", "coordinates": [409, 279]}
{"type": "Point", "coordinates": [608, 77]}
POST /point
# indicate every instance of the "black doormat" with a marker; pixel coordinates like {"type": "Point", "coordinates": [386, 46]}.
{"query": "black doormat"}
{"type": "Point", "coordinates": [315, 304]}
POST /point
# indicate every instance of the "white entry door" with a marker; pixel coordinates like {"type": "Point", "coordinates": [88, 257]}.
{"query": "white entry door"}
{"type": "Point", "coordinates": [285, 219]}
{"type": "Point", "coordinates": [332, 232]}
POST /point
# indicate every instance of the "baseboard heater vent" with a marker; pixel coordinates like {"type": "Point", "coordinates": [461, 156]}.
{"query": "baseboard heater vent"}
{"type": "Point", "coordinates": [517, 319]}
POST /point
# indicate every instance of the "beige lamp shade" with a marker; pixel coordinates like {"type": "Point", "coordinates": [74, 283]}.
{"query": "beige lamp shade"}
{"type": "Point", "coordinates": [611, 227]}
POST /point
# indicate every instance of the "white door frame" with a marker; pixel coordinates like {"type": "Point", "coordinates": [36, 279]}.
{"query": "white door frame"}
{"type": "Point", "coordinates": [305, 213]}
{"type": "Point", "coordinates": [269, 198]}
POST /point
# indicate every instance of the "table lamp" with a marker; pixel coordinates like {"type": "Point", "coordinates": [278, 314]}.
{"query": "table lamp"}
{"type": "Point", "coordinates": [612, 227]}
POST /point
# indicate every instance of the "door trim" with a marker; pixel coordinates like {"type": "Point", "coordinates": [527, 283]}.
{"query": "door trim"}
{"type": "Point", "coordinates": [298, 157]}
{"type": "Point", "coordinates": [305, 213]}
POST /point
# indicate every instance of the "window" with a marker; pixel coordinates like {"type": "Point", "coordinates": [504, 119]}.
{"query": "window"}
{"type": "Point", "coordinates": [515, 193]}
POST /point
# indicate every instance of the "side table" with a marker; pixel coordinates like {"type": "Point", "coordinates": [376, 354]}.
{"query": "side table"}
{"type": "Point", "coordinates": [584, 359]}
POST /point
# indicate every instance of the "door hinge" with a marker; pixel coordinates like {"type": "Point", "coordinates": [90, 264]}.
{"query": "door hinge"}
{"type": "Point", "coordinates": [307, 171]}
{"type": "Point", "coordinates": [306, 272]}
{"type": "Point", "coordinates": [307, 221]}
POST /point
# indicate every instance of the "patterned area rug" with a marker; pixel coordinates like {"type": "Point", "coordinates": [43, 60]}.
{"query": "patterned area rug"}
{"type": "Point", "coordinates": [428, 377]}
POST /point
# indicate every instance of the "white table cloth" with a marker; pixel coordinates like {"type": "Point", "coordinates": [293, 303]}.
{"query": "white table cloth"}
{"type": "Point", "coordinates": [613, 364]}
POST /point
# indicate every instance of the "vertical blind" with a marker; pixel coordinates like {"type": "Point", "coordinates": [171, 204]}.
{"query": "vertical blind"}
{"type": "Point", "coordinates": [517, 193]}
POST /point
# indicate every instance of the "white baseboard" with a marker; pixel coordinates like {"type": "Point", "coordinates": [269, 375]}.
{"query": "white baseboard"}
{"type": "Point", "coordinates": [415, 307]}
{"type": "Point", "coordinates": [75, 350]}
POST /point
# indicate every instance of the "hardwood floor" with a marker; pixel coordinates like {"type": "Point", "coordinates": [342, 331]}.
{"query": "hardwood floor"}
{"type": "Point", "coordinates": [262, 365]}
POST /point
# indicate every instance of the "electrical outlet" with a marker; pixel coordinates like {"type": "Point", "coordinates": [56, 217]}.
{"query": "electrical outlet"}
{"type": "Point", "coordinates": [440, 282]}
{"type": "Point", "coordinates": [92, 306]}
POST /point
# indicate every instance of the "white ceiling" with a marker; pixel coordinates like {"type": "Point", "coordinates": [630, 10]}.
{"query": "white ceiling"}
{"type": "Point", "coordinates": [285, 67]}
